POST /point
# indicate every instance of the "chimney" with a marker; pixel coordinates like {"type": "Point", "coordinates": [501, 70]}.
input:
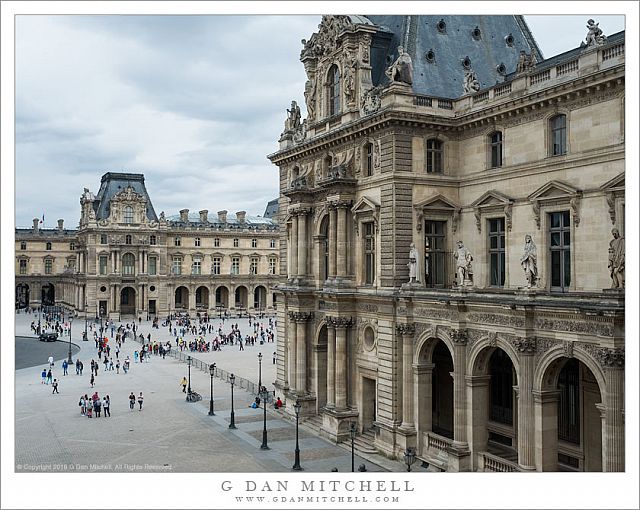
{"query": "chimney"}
{"type": "Point", "coordinates": [184, 215]}
{"type": "Point", "coordinates": [240, 215]}
{"type": "Point", "coordinates": [36, 221]}
{"type": "Point", "coordinates": [222, 216]}
{"type": "Point", "coordinates": [60, 224]}
{"type": "Point", "coordinates": [203, 216]}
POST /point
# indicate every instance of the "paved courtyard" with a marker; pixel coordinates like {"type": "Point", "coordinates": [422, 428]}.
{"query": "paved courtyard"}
{"type": "Point", "coordinates": [169, 434]}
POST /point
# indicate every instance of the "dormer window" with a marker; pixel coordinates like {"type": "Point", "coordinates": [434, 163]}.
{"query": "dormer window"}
{"type": "Point", "coordinates": [128, 214]}
{"type": "Point", "coordinates": [334, 90]}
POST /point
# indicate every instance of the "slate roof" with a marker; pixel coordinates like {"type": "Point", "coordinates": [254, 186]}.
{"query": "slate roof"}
{"type": "Point", "coordinates": [232, 221]}
{"type": "Point", "coordinates": [271, 209]}
{"type": "Point", "coordinates": [115, 182]}
{"type": "Point", "coordinates": [445, 75]}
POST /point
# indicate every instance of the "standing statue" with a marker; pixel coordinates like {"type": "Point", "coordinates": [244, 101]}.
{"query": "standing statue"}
{"type": "Point", "coordinates": [525, 62]}
{"type": "Point", "coordinates": [310, 98]}
{"type": "Point", "coordinates": [402, 69]}
{"type": "Point", "coordinates": [293, 120]}
{"type": "Point", "coordinates": [413, 264]}
{"type": "Point", "coordinates": [529, 261]}
{"type": "Point", "coordinates": [349, 80]}
{"type": "Point", "coordinates": [471, 83]}
{"type": "Point", "coordinates": [463, 264]}
{"type": "Point", "coordinates": [616, 260]}
{"type": "Point", "coordinates": [595, 36]}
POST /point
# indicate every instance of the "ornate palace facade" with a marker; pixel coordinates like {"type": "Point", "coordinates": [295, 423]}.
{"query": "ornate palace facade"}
{"type": "Point", "coordinates": [124, 260]}
{"type": "Point", "coordinates": [446, 210]}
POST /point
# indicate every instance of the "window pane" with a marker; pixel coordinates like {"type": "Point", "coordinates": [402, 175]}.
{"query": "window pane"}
{"type": "Point", "coordinates": [565, 218]}
{"type": "Point", "coordinates": [555, 269]}
{"type": "Point", "coordinates": [555, 220]}
{"type": "Point", "coordinates": [566, 241]}
{"type": "Point", "coordinates": [555, 239]}
{"type": "Point", "coordinates": [567, 268]}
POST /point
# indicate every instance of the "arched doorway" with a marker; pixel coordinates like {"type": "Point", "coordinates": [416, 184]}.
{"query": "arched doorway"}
{"type": "Point", "coordinates": [320, 362]}
{"type": "Point", "coordinates": [241, 297]}
{"type": "Point", "coordinates": [22, 295]}
{"type": "Point", "coordinates": [48, 297]}
{"type": "Point", "coordinates": [569, 408]}
{"type": "Point", "coordinates": [128, 301]}
{"type": "Point", "coordinates": [260, 298]}
{"type": "Point", "coordinates": [442, 391]}
{"type": "Point", "coordinates": [222, 297]}
{"type": "Point", "coordinates": [202, 297]}
{"type": "Point", "coordinates": [182, 298]}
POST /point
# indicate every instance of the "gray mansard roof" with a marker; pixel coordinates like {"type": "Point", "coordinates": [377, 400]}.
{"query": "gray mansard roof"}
{"type": "Point", "coordinates": [115, 182]}
{"type": "Point", "coordinates": [255, 222]}
{"type": "Point", "coordinates": [445, 75]}
{"type": "Point", "coordinates": [272, 208]}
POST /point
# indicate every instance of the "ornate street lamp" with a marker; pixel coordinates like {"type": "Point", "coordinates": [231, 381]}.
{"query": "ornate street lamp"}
{"type": "Point", "coordinates": [409, 457]}
{"type": "Point", "coordinates": [232, 425]}
{"type": "Point", "coordinates": [70, 361]}
{"type": "Point", "coordinates": [212, 371]}
{"type": "Point", "coordinates": [259, 372]}
{"type": "Point", "coordinates": [85, 320]}
{"type": "Point", "coordinates": [264, 445]}
{"type": "Point", "coordinates": [296, 464]}
{"type": "Point", "coordinates": [352, 431]}
{"type": "Point", "coordinates": [189, 387]}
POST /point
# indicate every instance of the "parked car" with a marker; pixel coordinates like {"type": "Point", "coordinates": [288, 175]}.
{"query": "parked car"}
{"type": "Point", "coordinates": [48, 337]}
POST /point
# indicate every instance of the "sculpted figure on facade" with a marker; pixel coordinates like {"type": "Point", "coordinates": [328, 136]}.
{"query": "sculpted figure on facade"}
{"type": "Point", "coordinates": [413, 265]}
{"type": "Point", "coordinates": [471, 83]}
{"type": "Point", "coordinates": [529, 261]}
{"type": "Point", "coordinates": [370, 102]}
{"type": "Point", "coordinates": [293, 117]}
{"type": "Point", "coordinates": [616, 260]}
{"type": "Point", "coordinates": [595, 36]}
{"type": "Point", "coordinates": [349, 80]}
{"type": "Point", "coordinates": [463, 264]}
{"type": "Point", "coordinates": [525, 62]}
{"type": "Point", "coordinates": [310, 98]}
{"type": "Point", "coordinates": [402, 69]}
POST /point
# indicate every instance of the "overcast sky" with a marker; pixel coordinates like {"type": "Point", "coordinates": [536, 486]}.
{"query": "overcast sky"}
{"type": "Point", "coordinates": [193, 102]}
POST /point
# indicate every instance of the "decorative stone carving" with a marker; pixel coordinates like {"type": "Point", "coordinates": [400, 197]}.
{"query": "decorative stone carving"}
{"type": "Point", "coordinates": [579, 325]}
{"type": "Point", "coordinates": [507, 215]}
{"type": "Point", "coordinates": [340, 322]}
{"type": "Point", "coordinates": [490, 318]}
{"type": "Point", "coordinates": [459, 336]}
{"type": "Point", "coordinates": [310, 98]}
{"type": "Point", "coordinates": [610, 358]}
{"type": "Point", "coordinates": [574, 205]}
{"type": "Point", "coordinates": [455, 219]}
{"type": "Point", "coordinates": [529, 261]}
{"type": "Point", "coordinates": [367, 307]}
{"type": "Point", "coordinates": [544, 344]}
{"type": "Point", "coordinates": [327, 305]}
{"type": "Point", "coordinates": [422, 327]}
{"type": "Point", "coordinates": [568, 348]}
{"type": "Point", "coordinates": [464, 269]}
{"type": "Point", "coordinates": [401, 71]}
{"type": "Point", "coordinates": [433, 313]}
{"type": "Point", "coordinates": [414, 264]}
{"type": "Point", "coordinates": [293, 118]}
{"type": "Point", "coordinates": [349, 78]}
{"type": "Point", "coordinates": [595, 36]}
{"type": "Point", "coordinates": [406, 329]}
{"type": "Point", "coordinates": [616, 260]}
{"type": "Point", "coordinates": [493, 338]}
{"type": "Point", "coordinates": [325, 41]}
{"type": "Point", "coordinates": [611, 202]}
{"type": "Point", "coordinates": [300, 132]}
{"type": "Point", "coordinates": [524, 345]}
{"type": "Point", "coordinates": [526, 62]}
{"type": "Point", "coordinates": [536, 212]}
{"type": "Point", "coordinates": [471, 83]}
{"type": "Point", "coordinates": [301, 316]}
{"type": "Point", "coordinates": [377, 151]}
{"type": "Point", "coordinates": [370, 102]}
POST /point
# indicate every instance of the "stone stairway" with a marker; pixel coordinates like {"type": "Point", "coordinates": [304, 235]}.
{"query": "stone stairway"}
{"type": "Point", "coordinates": [364, 442]}
{"type": "Point", "coordinates": [313, 423]}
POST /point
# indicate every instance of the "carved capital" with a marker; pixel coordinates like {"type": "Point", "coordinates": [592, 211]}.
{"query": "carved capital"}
{"type": "Point", "coordinates": [301, 316]}
{"type": "Point", "coordinates": [508, 208]}
{"type": "Point", "coordinates": [459, 336]}
{"type": "Point", "coordinates": [536, 212]}
{"type": "Point", "coordinates": [340, 322]}
{"type": "Point", "coordinates": [406, 329]}
{"type": "Point", "coordinates": [574, 204]}
{"type": "Point", "coordinates": [476, 213]}
{"type": "Point", "coordinates": [610, 358]}
{"type": "Point", "coordinates": [525, 345]}
{"type": "Point", "coordinates": [611, 202]}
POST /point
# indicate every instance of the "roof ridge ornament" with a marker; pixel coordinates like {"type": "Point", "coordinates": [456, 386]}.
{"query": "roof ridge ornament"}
{"type": "Point", "coordinates": [595, 36]}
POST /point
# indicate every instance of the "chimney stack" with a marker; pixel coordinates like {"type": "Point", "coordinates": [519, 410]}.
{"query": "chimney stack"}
{"type": "Point", "coordinates": [222, 216]}
{"type": "Point", "coordinates": [36, 221]}
{"type": "Point", "coordinates": [184, 215]}
{"type": "Point", "coordinates": [241, 215]}
{"type": "Point", "coordinates": [60, 224]}
{"type": "Point", "coordinates": [204, 216]}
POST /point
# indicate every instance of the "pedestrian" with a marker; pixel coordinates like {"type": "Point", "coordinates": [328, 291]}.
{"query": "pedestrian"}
{"type": "Point", "coordinates": [44, 375]}
{"type": "Point", "coordinates": [132, 401]}
{"type": "Point", "coordinates": [274, 358]}
{"type": "Point", "coordinates": [89, 410]}
{"type": "Point", "coordinates": [49, 377]}
{"type": "Point", "coordinates": [135, 356]}
{"type": "Point", "coordinates": [77, 366]}
{"type": "Point", "coordinates": [50, 361]}
{"type": "Point", "coordinates": [97, 406]}
{"type": "Point", "coordinates": [140, 400]}
{"type": "Point", "coordinates": [82, 405]}
{"type": "Point", "coordinates": [81, 367]}
{"type": "Point", "coordinates": [55, 387]}
{"type": "Point", "coordinates": [118, 367]}
{"type": "Point", "coordinates": [105, 405]}
{"type": "Point", "coordinates": [92, 380]}
{"type": "Point", "coordinates": [184, 384]}
{"type": "Point", "coordinates": [110, 364]}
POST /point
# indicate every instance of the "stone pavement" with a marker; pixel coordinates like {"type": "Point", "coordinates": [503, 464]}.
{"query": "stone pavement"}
{"type": "Point", "coordinates": [168, 435]}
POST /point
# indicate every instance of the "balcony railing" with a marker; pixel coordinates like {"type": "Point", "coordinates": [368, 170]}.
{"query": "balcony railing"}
{"type": "Point", "coordinates": [495, 464]}
{"type": "Point", "coordinates": [567, 68]}
{"type": "Point", "coordinates": [614, 51]}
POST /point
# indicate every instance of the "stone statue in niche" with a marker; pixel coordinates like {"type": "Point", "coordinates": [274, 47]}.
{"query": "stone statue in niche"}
{"type": "Point", "coordinates": [471, 83]}
{"type": "Point", "coordinates": [310, 98]}
{"type": "Point", "coordinates": [463, 265]}
{"type": "Point", "coordinates": [616, 260]}
{"type": "Point", "coordinates": [349, 80]}
{"type": "Point", "coordinates": [525, 62]}
{"type": "Point", "coordinates": [402, 69]}
{"type": "Point", "coordinates": [595, 36]}
{"type": "Point", "coordinates": [293, 117]}
{"type": "Point", "coordinates": [529, 262]}
{"type": "Point", "coordinates": [413, 265]}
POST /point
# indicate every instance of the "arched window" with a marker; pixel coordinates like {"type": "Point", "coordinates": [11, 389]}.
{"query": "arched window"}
{"type": "Point", "coordinates": [434, 156]}
{"type": "Point", "coordinates": [558, 131]}
{"type": "Point", "coordinates": [495, 139]}
{"type": "Point", "coordinates": [127, 239]}
{"type": "Point", "coordinates": [334, 90]}
{"type": "Point", "coordinates": [368, 160]}
{"type": "Point", "coordinates": [128, 214]}
{"type": "Point", "coordinates": [128, 264]}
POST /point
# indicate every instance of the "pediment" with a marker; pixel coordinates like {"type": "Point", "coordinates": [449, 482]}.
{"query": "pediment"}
{"type": "Point", "coordinates": [437, 202]}
{"type": "Point", "coordinates": [492, 198]}
{"type": "Point", "coordinates": [615, 184]}
{"type": "Point", "coordinates": [365, 204]}
{"type": "Point", "coordinates": [553, 190]}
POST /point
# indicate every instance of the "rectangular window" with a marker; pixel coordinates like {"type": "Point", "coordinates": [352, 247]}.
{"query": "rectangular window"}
{"type": "Point", "coordinates": [496, 149]}
{"type": "Point", "coordinates": [369, 253]}
{"type": "Point", "coordinates": [48, 266]}
{"type": "Point", "coordinates": [369, 163]}
{"type": "Point", "coordinates": [152, 240]}
{"type": "Point", "coordinates": [236, 242]}
{"type": "Point", "coordinates": [196, 266]}
{"type": "Point", "coordinates": [153, 266]}
{"type": "Point", "coordinates": [272, 243]}
{"type": "Point", "coordinates": [235, 265]}
{"type": "Point", "coordinates": [496, 252]}
{"type": "Point", "coordinates": [434, 156]}
{"type": "Point", "coordinates": [72, 264]}
{"type": "Point", "coordinates": [272, 265]}
{"type": "Point", "coordinates": [23, 266]}
{"type": "Point", "coordinates": [72, 246]}
{"type": "Point", "coordinates": [103, 238]}
{"type": "Point", "coordinates": [560, 246]}
{"type": "Point", "coordinates": [23, 245]}
{"type": "Point", "coordinates": [177, 241]}
{"type": "Point", "coordinates": [435, 254]}
{"type": "Point", "coordinates": [197, 241]}
{"type": "Point", "coordinates": [253, 268]}
{"type": "Point", "coordinates": [216, 242]}
{"type": "Point", "coordinates": [559, 135]}
{"type": "Point", "coordinates": [215, 268]}
{"type": "Point", "coordinates": [103, 264]}
{"type": "Point", "coordinates": [48, 246]}
{"type": "Point", "coordinates": [254, 243]}
{"type": "Point", "coordinates": [177, 265]}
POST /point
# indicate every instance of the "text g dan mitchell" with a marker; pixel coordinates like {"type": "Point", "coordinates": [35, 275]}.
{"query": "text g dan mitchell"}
{"type": "Point", "coordinates": [319, 486]}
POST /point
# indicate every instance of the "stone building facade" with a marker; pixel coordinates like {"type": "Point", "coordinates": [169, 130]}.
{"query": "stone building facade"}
{"type": "Point", "coordinates": [123, 260]}
{"type": "Point", "coordinates": [483, 354]}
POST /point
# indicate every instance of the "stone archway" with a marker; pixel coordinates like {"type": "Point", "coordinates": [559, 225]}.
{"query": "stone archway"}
{"type": "Point", "coordinates": [241, 297]}
{"type": "Point", "coordinates": [319, 354]}
{"type": "Point", "coordinates": [182, 298]}
{"type": "Point", "coordinates": [128, 301]}
{"type": "Point", "coordinates": [222, 297]}
{"type": "Point", "coordinates": [202, 298]}
{"type": "Point", "coordinates": [22, 295]}
{"type": "Point", "coordinates": [48, 295]}
{"type": "Point", "coordinates": [260, 298]}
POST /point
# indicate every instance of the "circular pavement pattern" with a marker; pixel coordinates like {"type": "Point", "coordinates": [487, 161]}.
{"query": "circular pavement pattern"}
{"type": "Point", "coordinates": [31, 352]}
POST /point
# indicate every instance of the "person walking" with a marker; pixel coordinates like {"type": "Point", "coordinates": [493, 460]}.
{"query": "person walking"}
{"type": "Point", "coordinates": [77, 366]}
{"type": "Point", "coordinates": [184, 384]}
{"type": "Point", "coordinates": [132, 401]}
{"type": "Point", "coordinates": [81, 367]}
{"type": "Point", "coordinates": [49, 377]}
{"type": "Point", "coordinates": [50, 360]}
{"type": "Point", "coordinates": [106, 405]}
{"type": "Point", "coordinates": [135, 356]}
{"type": "Point", "coordinates": [97, 406]}
{"type": "Point", "coordinates": [118, 367]}
{"type": "Point", "coordinates": [65, 366]}
{"type": "Point", "coordinates": [44, 375]}
{"type": "Point", "coordinates": [140, 400]}
{"type": "Point", "coordinates": [55, 387]}
{"type": "Point", "coordinates": [81, 404]}
{"type": "Point", "coordinates": [92, 380]}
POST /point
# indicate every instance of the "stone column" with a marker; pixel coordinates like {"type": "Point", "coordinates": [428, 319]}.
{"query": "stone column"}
{"type": "Point", "coordinates": [545, 405]}
{"type": "Point", "coordinates": [331, 363]}
{"type": "Point", "coordinates": [526, 422]}
{"type": "Point", "coordinates": [406, 332]}
{"type": "Point", "coordinates": [342, 366]}
{"type": "Point", "coordinates": [293, 247]}
{"type": "Point", "coordinates": [613, 455]}
{"type": "Point", "coordinates": [292, 348]}
{"type": "Point", "coordinates": [302, 242]}
{"type": "Point", "coordinates": [341, 263]}
{"type": "Point", "coordinates": [333, 241]}
{"type": "Point", "coordinates": [478, 404]}
{"type": "Point", "coordinates": [459, 338]}
{"type": "Point", "coordinates": [301, 354]}
{"type": "Point", "coordinates": [423, 374]}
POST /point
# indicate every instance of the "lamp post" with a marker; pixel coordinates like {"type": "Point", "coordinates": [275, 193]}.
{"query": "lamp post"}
{"type": "Point", "coordinates": [352, 431]}
{"type": "Point", "coordinates": [232, 425]}
{"type": "Point", "coordinates": [39, 311]}
{"type": "Point", "coordinates": [85, 320]}
{"type": "Point", "coordinates": [409, 457]}
{"type": "Point", "coordinates": [69, 360]}
{"type": "Point", "coordinates": [264, 445]}
{"type": "Point", "coordinates": [259, 372]}
{"type": "Point", "coordinates": [296, 464]}
{"type": "Point", "coordinates": [189, 387]}
{"type": "Point", "coordinates": [212, 371]}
